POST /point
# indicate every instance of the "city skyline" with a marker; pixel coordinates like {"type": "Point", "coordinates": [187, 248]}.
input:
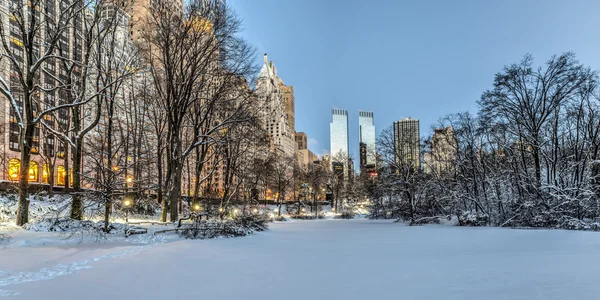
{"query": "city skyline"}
{"type": "Point", "coordinates": [333, 63]}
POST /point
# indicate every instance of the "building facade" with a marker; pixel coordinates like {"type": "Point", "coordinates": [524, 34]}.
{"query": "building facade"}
{"type": "Point", "coordinates": [302, 140]}
{"type": "Point", "coordinates": [407, 143]}
{"type": "Point", "coordinates": [270, 95]}
{"type": "Point", "coordinates": [366, 128]}
{"type": "Point", "coordinates": [49, 156]}
{"type": "Point", "coordinates": [441, 159]}
{"type": "Point", "coordinates": [289, 105]}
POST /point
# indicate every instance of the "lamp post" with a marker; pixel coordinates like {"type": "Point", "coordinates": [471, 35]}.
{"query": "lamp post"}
{"type": "Point", "coordinates": [196, 208]}
{"type": "Point", "coordinates": [127, 204]}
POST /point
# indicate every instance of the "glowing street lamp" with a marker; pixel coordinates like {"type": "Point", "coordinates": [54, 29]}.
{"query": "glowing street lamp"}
{"type": "Point", "coordinates": [197, 207]}
{"type": "Point", "coordinates": [127, 203]}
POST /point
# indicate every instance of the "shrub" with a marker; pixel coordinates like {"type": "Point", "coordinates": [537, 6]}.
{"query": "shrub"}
{"type": "Point", "coordinates": [241, 226]}
{"type": "Point", "coordinates": [345, 215]}
{"type": "Point", "coordinates": [279, 218]}
{"type": "Point", "coordinates": [308, 216]}
{"type": "Point", "coordinates": [4, 238]}
{"type": "Point", "coordinates": [429, 220]}
{"type": "Point", "coordinates": [468, 218]}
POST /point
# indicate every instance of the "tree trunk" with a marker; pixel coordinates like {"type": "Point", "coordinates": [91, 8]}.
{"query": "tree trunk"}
{"type": "Point", "coordinates": [77, 204]}
{"type": "Point", "coordinates": [23, 204]}
{"type": "Point", "coordinates": [174, 192]}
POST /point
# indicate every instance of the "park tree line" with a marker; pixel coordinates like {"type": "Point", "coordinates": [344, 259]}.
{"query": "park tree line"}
{"type": "Point", "coordinates": [157, 115]}
{"type": "Point", "coordinates": [528, 157]}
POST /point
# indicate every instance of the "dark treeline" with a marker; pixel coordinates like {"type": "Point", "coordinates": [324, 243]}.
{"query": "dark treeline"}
{"type": "Point", "coordinates": [529, 157]}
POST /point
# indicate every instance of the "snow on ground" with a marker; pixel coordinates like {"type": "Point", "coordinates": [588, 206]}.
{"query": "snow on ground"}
{"type": "Point", "coordinates": [319, 259]}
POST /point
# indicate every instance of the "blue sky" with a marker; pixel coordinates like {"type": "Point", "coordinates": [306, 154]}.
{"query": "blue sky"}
{"type": "Point", "coordinates": [422, 59]}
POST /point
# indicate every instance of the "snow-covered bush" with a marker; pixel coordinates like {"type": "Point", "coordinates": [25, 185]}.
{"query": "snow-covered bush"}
{"type": "Point", "coordinates": [576, 224]}
{"type": "Point", "coordinates": [279, 218]}
{"type": "Point", "coordinates": [308, 216]}
{"type": "Point", "coordinates": [240, 226]}
{"type": "Point", "coordinates": [469, 218]}
{"type": "Point", "coordinates": [73, 227]}
{"type": "Point", "coordinates": [345, 215]}
{"type": "Point", "coordinates": [429, 220]}
{"type": "Point", "coordinates": [4, 238]}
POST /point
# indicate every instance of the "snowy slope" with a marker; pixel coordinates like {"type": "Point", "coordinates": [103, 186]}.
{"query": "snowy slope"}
{"type": "Point", "coordinates": [325, 259]}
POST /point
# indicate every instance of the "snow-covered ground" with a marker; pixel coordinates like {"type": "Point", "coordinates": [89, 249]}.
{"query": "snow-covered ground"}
{"type": "Point", "coordinates": [322, 259]}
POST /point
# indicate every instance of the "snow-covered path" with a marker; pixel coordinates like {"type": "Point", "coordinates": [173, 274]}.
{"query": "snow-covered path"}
{"type": "Point", "coordinates": [337, 259]}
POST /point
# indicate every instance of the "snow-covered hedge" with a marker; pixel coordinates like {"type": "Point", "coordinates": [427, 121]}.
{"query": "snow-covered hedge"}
{"type": "Point", "coordinates": [240, 226]}
{"type": "Point", "coordinates": [345, 215]}
{"type": "Point", "coordinates": [4, 238]}
{"type": "Point", "coordinates": [576, 224]}
{"type": "Point", "coordinates": [71, 225]}
{"type": "Point", "coordinates": [309, 216]}
{"type": "Point", "coordinates": [428, 220]}
{"type": "Point", "coordinates": [469, 218]}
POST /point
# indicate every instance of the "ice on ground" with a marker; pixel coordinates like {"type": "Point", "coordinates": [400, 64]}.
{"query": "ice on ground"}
{"type": "Point", "coordinates": [334, 259]}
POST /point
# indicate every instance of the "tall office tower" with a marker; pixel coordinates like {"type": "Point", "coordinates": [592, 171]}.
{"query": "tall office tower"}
{"type": "Point", "coordinates": [338, 131]}
{"type": "Point", "coordinates": [268, 90]}
{"type": "Point", "coordinates": [407, 142]}
{"type": "Point", "coordinates": [366, 128]}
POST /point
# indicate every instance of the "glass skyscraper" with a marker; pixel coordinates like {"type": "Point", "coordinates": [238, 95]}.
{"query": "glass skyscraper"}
{"type": "Point", "coordinates": [366, 128]}
{"type": "Point", "coordinates": [338, 130]}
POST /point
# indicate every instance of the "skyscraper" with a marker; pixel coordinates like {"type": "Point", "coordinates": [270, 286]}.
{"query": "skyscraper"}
{"type": "Point", "coordinates": [268, 90]}
{"type": "Point", "coordinates": [366, 128]}
{"type": "Point", "coordinates": [407, 142]}
{"type": "Point", "coordinates": [338, 129]}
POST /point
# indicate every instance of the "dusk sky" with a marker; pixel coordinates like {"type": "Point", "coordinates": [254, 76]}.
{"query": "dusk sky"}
{"type": "Point", "coordinates": [422, 59]}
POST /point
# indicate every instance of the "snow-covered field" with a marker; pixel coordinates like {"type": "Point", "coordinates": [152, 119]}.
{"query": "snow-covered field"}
{"type": "Point", "coordinates": [324, 259]}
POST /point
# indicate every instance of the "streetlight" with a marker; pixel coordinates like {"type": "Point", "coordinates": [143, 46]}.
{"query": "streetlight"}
{"type": "Point", "coordinates": [197, 207]}
{"type": "Point", "coordinates": [127, 202]}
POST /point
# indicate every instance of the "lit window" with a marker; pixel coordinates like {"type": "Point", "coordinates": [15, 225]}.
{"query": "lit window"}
{"type": "Point", "coordinates": [33, 171]}
{"type": "Point", "coordinates": [45, 173]}
{"type": "Point", "coordinates": [14, 165]}
{"type": "Point", "coordinates": [60, 175]}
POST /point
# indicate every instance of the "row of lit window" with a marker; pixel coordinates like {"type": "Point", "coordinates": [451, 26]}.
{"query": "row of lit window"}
{"type": "Point", "coordinates": [14, 168]}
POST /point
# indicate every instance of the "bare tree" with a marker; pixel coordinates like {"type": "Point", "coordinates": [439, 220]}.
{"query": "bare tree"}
{"type": "Point", "coordinates": [196, 61]}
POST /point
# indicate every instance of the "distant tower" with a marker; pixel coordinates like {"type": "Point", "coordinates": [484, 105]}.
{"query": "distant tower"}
{"type": "Point", "coordinates": [338, 129]}
{"type": "Point", "coordinates": [268, 90]}
{"type": "Point", "coordinates": [366, 128]}
{"type": "Point", "coordinates": [407, 142]}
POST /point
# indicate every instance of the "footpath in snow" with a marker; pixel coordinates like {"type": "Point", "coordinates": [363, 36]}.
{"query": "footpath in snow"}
{"type": "Point", "coordinates": [324, 259]}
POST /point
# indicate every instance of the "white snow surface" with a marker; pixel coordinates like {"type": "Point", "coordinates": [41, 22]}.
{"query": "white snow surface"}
{"type": "Point", "coordinates": [317, 259]}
